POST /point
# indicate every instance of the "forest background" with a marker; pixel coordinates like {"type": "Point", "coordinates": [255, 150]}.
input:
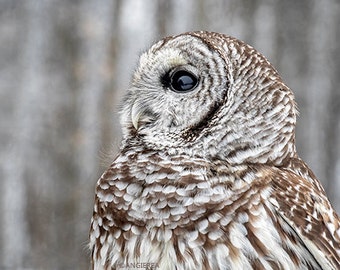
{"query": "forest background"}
{"type": "Point", "coordinates": [64, 67]}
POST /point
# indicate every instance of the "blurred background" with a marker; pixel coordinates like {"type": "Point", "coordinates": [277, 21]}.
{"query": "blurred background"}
{"type": "Point", "coordinates": [64, 67]}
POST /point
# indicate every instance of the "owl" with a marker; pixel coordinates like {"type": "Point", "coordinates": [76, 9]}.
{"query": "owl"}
{"type": "Point", "coordinates": [208, 176]}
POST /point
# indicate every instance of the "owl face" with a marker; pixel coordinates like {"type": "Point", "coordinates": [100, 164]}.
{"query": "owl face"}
{"type": "Point", "coordinates": [207, 94]}
{"type": "Point", "coordinates": [176, 86]}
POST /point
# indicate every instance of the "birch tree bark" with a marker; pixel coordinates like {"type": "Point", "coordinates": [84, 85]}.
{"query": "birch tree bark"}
{"type": "Point", "coordinates": [26, 133]}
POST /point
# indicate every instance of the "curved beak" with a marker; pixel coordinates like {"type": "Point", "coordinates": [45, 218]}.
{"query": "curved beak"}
{"type": "Point", "coordinates": [141, 114]}
{"type": "Point", "coordinates": [136, 113]}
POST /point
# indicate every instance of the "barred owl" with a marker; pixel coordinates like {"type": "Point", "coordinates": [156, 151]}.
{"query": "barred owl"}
{"type": "Point", "coordinates": [208, 176]}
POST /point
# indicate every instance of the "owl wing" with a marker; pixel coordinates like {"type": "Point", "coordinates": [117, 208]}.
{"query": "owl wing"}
{"type": "Point", "coordinates": [304, 211]}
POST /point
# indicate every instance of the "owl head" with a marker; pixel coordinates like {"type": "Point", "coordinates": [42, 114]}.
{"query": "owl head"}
{"type": "Point", "coordinates": [211, 96]}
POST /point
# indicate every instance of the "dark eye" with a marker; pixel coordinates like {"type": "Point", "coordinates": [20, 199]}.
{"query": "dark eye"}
{"type": "Point", "coordinates": [182, 81]}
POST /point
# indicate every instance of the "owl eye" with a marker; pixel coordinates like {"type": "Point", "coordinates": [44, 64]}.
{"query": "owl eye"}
{"type": "Point", "coordinates": [180, 80]}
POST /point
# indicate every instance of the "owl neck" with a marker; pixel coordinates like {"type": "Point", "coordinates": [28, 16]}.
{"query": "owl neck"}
{"type": "Point", "coordinates": [275, 154]}
{"type": "Point", "coordinates": [263, 148]}
{"type": "Point", "coordinates": [273, 145]}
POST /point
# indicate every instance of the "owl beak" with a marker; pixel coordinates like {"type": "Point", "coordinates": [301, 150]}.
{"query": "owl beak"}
{"type": "Point", "coordinates": [136, 113]}
{"type": "Point", "coordinates": [141, 115]}
{"type": "Point", "coordinates": [135, 123]}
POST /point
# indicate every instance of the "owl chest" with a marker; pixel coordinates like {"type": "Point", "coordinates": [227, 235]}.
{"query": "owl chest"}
{"type": "Point", "coordinates": [203, 244]}
{"type": "Point", "coordinates": [178, 219]}
{"type": "Point", "coordinates": [173, 233]}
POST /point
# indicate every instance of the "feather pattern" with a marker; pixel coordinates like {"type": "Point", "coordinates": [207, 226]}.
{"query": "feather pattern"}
{"type": "Point", "coordinates": [208, 176]}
